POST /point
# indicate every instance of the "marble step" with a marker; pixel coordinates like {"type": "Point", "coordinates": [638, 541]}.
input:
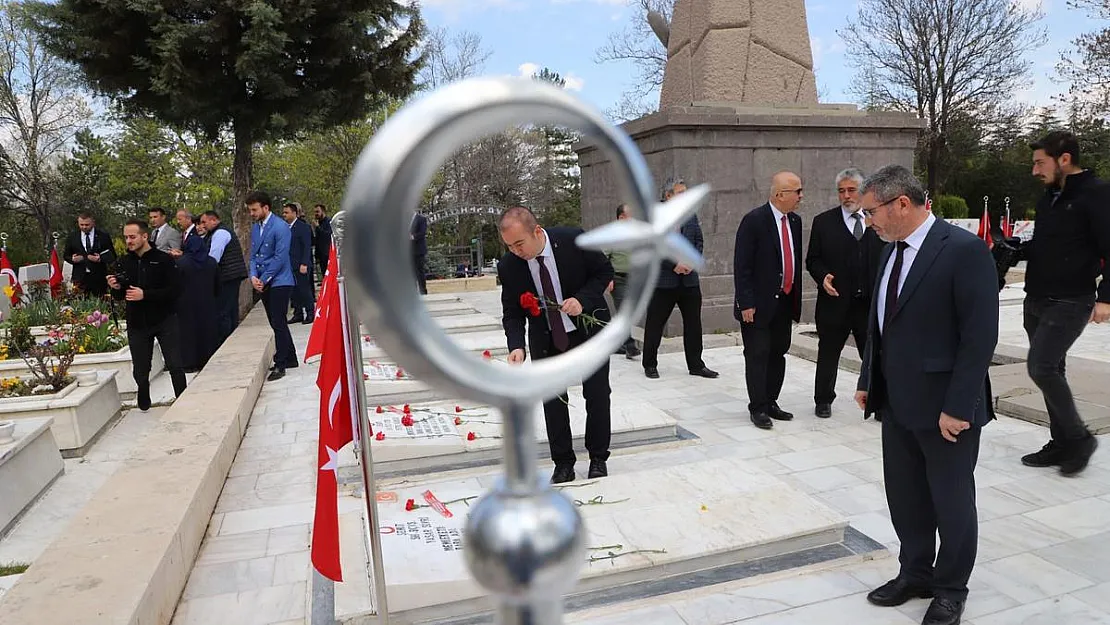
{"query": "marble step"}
{"type": "Point", "coordinates": [642, 527]}
{"type": "Point", "coordinates": [436, 443]}
{"type": "Point", "coordinates": [448, 309]}
{"type": "Point", "coordinates": [492, 341]}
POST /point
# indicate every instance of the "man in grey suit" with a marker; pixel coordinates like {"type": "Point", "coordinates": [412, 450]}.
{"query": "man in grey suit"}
{"type": "Point", "coordinates": [163, 236]}
{"type": "Point", "coordinates": [932, 331]}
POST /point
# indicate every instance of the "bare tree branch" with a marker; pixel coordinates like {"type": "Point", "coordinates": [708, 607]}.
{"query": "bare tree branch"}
{"type": "Point", "coordinates": [637, 44]}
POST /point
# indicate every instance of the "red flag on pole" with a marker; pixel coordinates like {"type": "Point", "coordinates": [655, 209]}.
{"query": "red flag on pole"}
{"type": "Point", "coordinates": [319, 325]}
{"type": "Point", "coordinates": [334, 382]}
{"type": "Point", "coordinates": [55, 274]}
{"type": "Point", "coordinates": [13, 280]}
{"type": "Point", "coordinates": [985, 227]}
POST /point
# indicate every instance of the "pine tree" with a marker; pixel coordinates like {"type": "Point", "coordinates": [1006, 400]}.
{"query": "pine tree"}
{"type": "Point", "coordinates": [261, 69]}
{"type": "Point", "coordinates": [557, 187]}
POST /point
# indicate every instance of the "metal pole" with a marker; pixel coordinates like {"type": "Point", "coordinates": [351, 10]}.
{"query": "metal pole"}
{"type": "Point", "coordinates": [370, 490]}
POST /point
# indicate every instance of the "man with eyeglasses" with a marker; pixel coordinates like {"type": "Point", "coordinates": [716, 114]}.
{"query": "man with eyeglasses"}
{"type": "Point", "coordinates": [931, 337]}
{"type": "Point", "coordinates": [767, 272]}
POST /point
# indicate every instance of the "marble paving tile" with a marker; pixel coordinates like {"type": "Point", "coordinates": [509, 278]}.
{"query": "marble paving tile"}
{"type": "Point", "coordinates": [277, 479]}
{"type": "Point", "coordinates": [263, 497]}
{"type": "Point", "coordinates": [818, 458]}
{"type": "Point", "coordinates": [1027, 578]}
{"type": "Point", "coordinates": [1087, 557]}
{"type": "Point", "coordinates": [1008, 536]}
{"type": "Point", "coordinates": [1052, 489]}
{"type": "Point", "coordinates": [992, 503]}
{"type": "Point", "coordinates": [850, 610]}
{"type": "Point", "coordinates": [766, 598]}
{"type": "Point", "coordinates": [874, 525]}
{"type": "Point", "coordinates": [253, 607]}
{"type": "Point", "coordinates": [236, 576]}
{"type": "Point", "coordinates": [1065, 610]}
{"type": "Point", "coordinates": [856, 499]}
{"type": "Point", "coordinates": [293, 538]}
{"type": "Point", "coordinates": [239, 485]}
{"type": "Point", "coordinates": [271, 517]}
{"type": "Point", "coordinates": [658, 615]}
{"type": "Point", "coordinates": [243, 546]}
{"type": "Point", "coordinates": [290, 568]}
{"type": "Point", "coordinates": [1095, 596]}
{"type": "Point", "coordinates": [827, 479]}
{"type": "Point", "coordinates": [1079, 519]}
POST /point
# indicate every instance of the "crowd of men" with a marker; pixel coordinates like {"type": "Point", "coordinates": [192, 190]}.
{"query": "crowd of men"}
{"type": "Point", "coordinates": [920, 299]}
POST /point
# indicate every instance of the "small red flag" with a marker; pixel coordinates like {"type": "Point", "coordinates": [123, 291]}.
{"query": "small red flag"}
{"type": "Point", "coordinates": [985, 227]}
{"type": "Point", "coordinates": [13, 280]}
{"type": "Point", "coordinates": [334, 382]}
{"type": "Point", "coordinates": [323, 307]}
{"type": "Point", "coordinates": [55, 274]}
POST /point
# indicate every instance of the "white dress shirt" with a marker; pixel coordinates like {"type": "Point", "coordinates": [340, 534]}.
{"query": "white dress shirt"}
{"type": "Point", "coordinates": [778, 237]}
{"type": "Point", "coordinates": [913, 245]}
{"type": "Point", "coordinates": [188, 233]}
{"type": "Point", "coordinates": [219, 240]}
{"type": "Point", "coordinates": [549, 262]}
{"type": "Point", "coordinates": [850, 222]}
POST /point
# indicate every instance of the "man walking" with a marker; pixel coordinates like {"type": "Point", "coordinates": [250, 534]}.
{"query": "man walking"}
{"type": "Point", "coordinates": [678, 285]}
{"type": "Point", "coordinates": [931, 337]}
{"type": "Point", "coordinates": [300, 260]}
{"type": "Point", "coordinates": [148, 281]}
{"type": "Point", "coordinates": [619, 286]}
{"type": "Point", "coordinates": [231, 270]}
{"type": "Point", "coordinates": [843, 257]}
{"type": "Point", "coordinates": [91, 253]}
{"type": "Point", "coordinates": [272, 277]}
{"type": "Point", "coordinates": [322, 237]}
{"type": "Point", "coordinates": [767, 271]}
{"type": "Point", "coordinates": [418, 234]}
{"type": "Point", "coordinates": [1070, 248]}
{"type": "Point", "coordinates": [547, 271]}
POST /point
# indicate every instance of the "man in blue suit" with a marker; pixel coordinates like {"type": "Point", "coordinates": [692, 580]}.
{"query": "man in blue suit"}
{"type": "Point", "coordinates": [932, 330]}
{"type": "Point", "coordinates": [272, 277]}
{"type": "Point", "coordinates": [300, 261]}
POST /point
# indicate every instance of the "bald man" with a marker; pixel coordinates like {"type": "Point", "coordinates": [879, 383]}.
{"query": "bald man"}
{"type": "Point", "coordinates": [767, 271]}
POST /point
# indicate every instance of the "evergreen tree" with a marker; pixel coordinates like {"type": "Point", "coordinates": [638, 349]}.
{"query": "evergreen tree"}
{"type": "Point", "coordinates": [260, 69]}
{"type": "Point", "coordinates": [557, 188]}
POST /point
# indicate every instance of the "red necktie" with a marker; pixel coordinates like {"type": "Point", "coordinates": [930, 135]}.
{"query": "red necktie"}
{"type": "Point", "coordinates": [787, 258]}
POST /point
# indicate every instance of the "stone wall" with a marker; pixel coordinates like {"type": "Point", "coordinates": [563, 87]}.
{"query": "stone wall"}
{"type": "Point", "coordinates": [736, 150]}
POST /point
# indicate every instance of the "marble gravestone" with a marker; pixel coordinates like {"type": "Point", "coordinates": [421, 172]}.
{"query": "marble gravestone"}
{"type": "Point", "coordinates": [738, 104]}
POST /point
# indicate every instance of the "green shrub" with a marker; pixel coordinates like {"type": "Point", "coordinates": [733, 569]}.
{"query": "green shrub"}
{"type": "Point", "coordinates": [950, 207]}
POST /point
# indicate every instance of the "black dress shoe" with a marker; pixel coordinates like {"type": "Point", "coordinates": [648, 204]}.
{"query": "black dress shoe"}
{"type": "Point", "coordinates": [563, 473]}
{"type": "Point", "coordinates": [651, 372]}
{"type": "Point", "coordinates": [277, 374]}
{"type": "Point", "coordinates": [943, 611]}
{"type": "Point", "coordinates": [823, 411]}
{"type": "Point", "coordinates": [705, 372]}
{"type": "Point", "coordinates": [296, 320]}
{"type": "Point", "coordinates": [762, 420]}
{"type": "Point", "coordinates": [896, 592]}
{"type": "Point", "coordinates": [598, 469]}
{"type": "Point", "coordinates": [631, 352]}
{"type": "Point", "coordinates": [307, 322]}
{"type": "Point", "coordinates": [779, 413]}
{"type": "Point", "coordinates": [1077, 454]}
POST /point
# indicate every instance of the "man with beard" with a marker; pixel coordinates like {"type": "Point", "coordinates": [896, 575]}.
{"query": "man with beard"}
{"type": "Point", "coordinates": [91, 253]}
{"type": "Point", "coordinates": [1068, 251]}
{"type": "Point", "coordinates": [322, 238]}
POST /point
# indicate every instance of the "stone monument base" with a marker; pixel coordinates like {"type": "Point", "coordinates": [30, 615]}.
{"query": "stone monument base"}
{"type": "Point", "coordinates": [736, 149]}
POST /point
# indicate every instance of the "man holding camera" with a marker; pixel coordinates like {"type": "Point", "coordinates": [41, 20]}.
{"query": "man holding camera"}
{"type": "Point", "coordinates": [147, 279]}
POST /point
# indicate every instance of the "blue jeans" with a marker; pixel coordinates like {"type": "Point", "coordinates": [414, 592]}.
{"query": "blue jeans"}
{"type": "Point", "coordinates": [1053, 325]}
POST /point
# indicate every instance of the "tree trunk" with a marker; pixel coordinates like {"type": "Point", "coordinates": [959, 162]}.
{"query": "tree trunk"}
{"type": "Point", "coordinates": [242, 174]}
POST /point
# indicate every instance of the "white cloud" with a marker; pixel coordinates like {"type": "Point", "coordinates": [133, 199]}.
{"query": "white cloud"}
{"type": "Point", "coordinates": [574, 83]}
{"type": "Point", "coordinates": [528, 69]}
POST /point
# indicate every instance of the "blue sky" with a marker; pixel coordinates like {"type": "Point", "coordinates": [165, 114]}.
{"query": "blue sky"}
{"type": "Point", "coordinates": [565, 34]}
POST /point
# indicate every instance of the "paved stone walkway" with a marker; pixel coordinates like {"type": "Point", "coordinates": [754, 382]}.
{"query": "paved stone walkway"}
{"type": "Point", "coordinates": [1044, 549]}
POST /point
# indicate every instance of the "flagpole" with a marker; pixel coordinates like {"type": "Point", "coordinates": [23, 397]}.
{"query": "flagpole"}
{"type": "Point", "coordinates": [358, 399]}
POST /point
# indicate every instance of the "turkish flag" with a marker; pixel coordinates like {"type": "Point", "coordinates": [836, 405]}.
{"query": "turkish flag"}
{"type": "Point", "coordinates": [336, 429]}
{"type": "Point", "coordinates": [323, 303]}
{"type": "Point", "coordinates": [13, 280]}
{"type": "Point", "coordinates": [55, 274]}
{"type": "Point", "coordinates": [985, 227]}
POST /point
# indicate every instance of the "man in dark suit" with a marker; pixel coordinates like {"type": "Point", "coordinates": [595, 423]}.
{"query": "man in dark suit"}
{"type": "Point", "coordinates": [322, 237]}
{"type": "Point", "coordinates": [418, 234]}
{"type": "Point", "coordinates": [678, 285]}
{"type": "Point", "coordinates": [842, 258]}
{"type": "Point", "coordinates": [569, 284]}
{"type": "Point", "coordinates": [932, 333]}
{"type": "Point", "coordinates": [300, 261]}
{"type": "Point", "coordinates": [767, 270]}
{"type": "Point", "coordinates": [91, 253]}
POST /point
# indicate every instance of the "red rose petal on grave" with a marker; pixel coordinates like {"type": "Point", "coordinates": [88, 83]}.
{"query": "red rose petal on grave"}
{"type": "Point", "coordinates": [379, 410]}
{"type": "Point", "coordinates": [487, 355]}
{"type": "Point", "coordinates": [406, 421]}
{"type": "Point", "coordinates": [470, 436]}
{"type": "Point", "coordinates": [410, 505]}
{"type": "Point", "coordinates": [458, 420]}
{"type": "Point", "coordinates": [407, 409]}
{"type": "Point", "coordinates": [380, 436]}
{"type": "Point", "coordinates": [458, 408]}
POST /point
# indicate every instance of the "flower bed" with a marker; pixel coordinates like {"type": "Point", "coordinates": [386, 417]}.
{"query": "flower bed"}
{"type": "Point", "coordinates": [80, 411]}
{"type": "Point", "coordinates": [118, 361]}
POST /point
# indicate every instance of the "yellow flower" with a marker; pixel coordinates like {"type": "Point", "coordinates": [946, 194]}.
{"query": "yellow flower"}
{"type": "Point", "coordinates": [9, 291]}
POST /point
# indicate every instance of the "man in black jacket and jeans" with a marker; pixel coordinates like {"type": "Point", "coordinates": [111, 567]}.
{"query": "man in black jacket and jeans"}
{"type": "Point", "coordinates": [1071, 241]}
{"type": "Point", "coordinates": [147, 278]}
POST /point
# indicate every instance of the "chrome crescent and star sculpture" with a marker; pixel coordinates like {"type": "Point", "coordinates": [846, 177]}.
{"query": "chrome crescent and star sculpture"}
{"type": "Point", "coordinates": [524, 542]}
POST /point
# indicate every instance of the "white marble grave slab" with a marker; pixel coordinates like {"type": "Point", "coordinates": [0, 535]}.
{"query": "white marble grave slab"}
{"type": "Point", "coordinates": [459, 324]}
{"type": "Point", "coordinates": [478, 342]}
{"type": "Point", "coordinates": [448, 309]}
{"type": "Point", "coordinates": [442, 436]}
{"type": "Point", "coordinates": [441, 297]}
{"type": "Point", "coordinates": [29, 463]}
{"type": "Point", "coordinates": [380, 371]}
{"type": "Point", "coordinates": [686, 518]}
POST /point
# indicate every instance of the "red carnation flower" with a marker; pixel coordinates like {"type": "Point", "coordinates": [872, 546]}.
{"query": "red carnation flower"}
{"type": "Point", "coordinates": [470, 436]}
{"type": "Point", "coordinates": [458, 420]}
{"type": "Point", "coordinates": [406, 421]}
{"type": "Point", "coordinates": [379, 410]}
{"type": "Point", "coordinates": [458, 409]}
{"type": "Point", "coordinates": [407, 409]}
{"type": "Point", "coordinates": [410, 505]}
{"type": "Point", "coordinates": [380, 436]}
{"type": "Point", "coordinates": [487, 355]}
{"type": "Point", "coordinates": [530, 304]}
{"type": "Point", "coordinates": [400, 372]}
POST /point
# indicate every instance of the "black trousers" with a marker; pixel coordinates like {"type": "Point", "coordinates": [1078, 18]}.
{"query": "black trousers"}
{"type": "Point", "coordinates": [1053, 326]}
{"type": "Point", "coordinates": [95, 285]}
{"type": "Point", "coordinates": [765, 350]}
{"type": "Point", "coordinates": [303, 298]}
{"type": "Point", "coordinates": [832, 334]}
{"type": "Point", "coordinates": [227, 309]}
{"type": "Point", "coordinates": [141, 342]}
{"type": "Point", "coordinates": [556, 412]}
{"type": "Point", "coordinates": [663, 301]}
{"type": "Point", "coordinates": [275, 299]}
{"type": "Point", "coordinates": [930, 488]}
{"type": "Point", "coordinates": [420, 266]}
{"type": "Point", "coordinates": [620, 288]}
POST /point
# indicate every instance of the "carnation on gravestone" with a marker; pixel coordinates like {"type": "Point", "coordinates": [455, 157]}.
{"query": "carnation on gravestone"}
{"type": "Point", "coordinates": [410, 505]}
{"type": "Point", "coordinates": [470, 436]}
{"type": "Point", "coordinates": [406, 421]}
{"type": "Point", "coordinates": [379, 436]}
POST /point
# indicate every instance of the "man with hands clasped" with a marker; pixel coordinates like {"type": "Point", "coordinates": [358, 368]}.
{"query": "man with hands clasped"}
{"type": "Point", "coordinates": [932, 331]}
{"type": "Point", "coordinates": [558, 290]}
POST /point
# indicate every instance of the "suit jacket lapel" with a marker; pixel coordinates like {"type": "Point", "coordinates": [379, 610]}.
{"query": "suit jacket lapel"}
{"type": "Point", "coordinates": [934, 243]}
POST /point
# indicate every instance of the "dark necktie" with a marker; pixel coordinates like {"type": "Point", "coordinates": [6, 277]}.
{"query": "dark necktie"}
{"type": "Point", "coordinates": [554, 319]}
{"type": "Point", "coordinates": [857, 229]}
{"type": "Point", "coordinates": [88, 242]}
{"type": "Point", "coordinates": [892, 284]}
